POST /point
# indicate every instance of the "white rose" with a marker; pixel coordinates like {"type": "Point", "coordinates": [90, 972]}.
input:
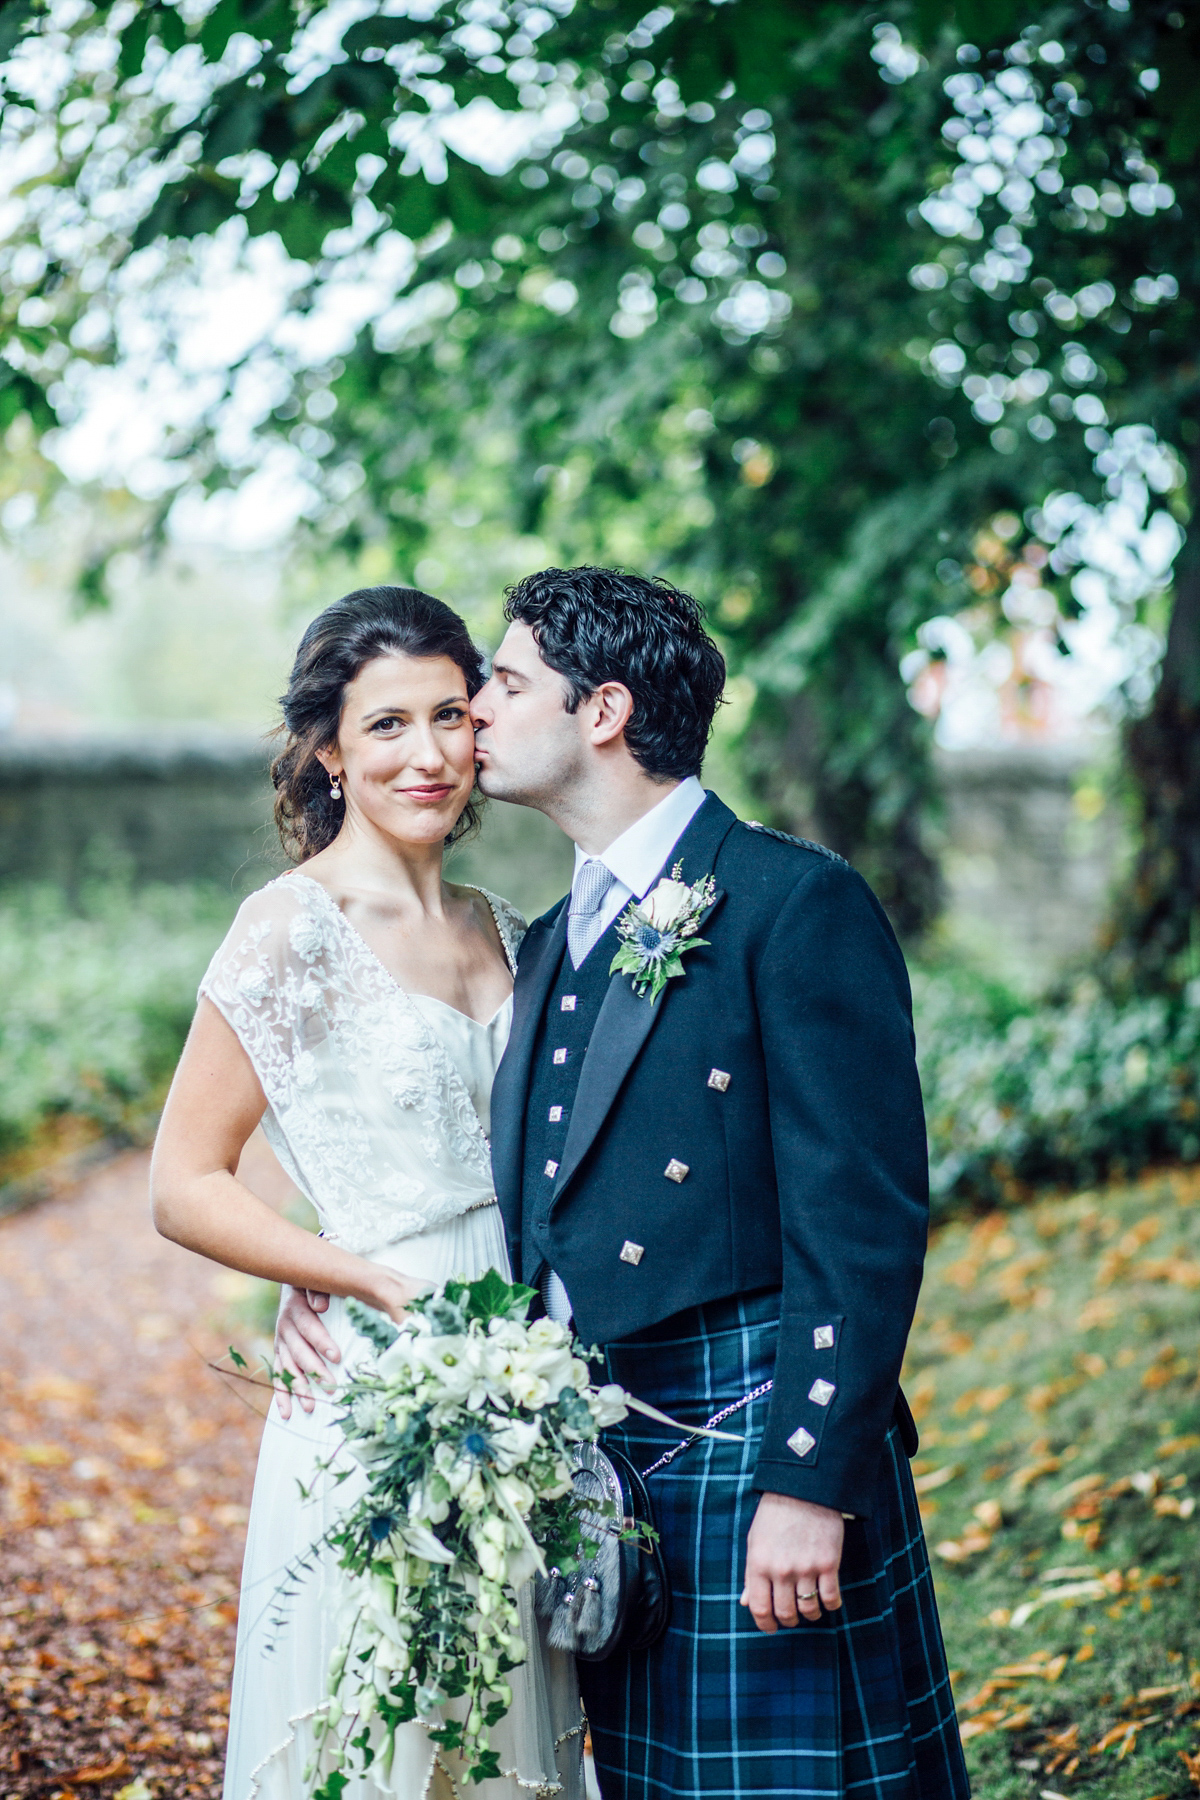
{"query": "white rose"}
{"type": "Point", "coordinates": [556, 1368]}
{"type": "Point", "coordinates": [667, 904]}
{"type": "Point", "coordinates": [543, 1332]}
{"type": "Point", "coordinates": [528, 1389]}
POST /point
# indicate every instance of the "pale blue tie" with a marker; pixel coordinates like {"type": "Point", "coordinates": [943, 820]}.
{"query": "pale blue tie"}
{"type": "Point", "coordinates": [588, 891]}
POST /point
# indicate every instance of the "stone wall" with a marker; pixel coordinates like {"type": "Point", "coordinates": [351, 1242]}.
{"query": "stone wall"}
{"type": "Point", "coordinates": [1028, 867]}
{"type": "Point", "coordinates": [197, 807]}
{"type": "Point", "coordinates": [1031, 847]}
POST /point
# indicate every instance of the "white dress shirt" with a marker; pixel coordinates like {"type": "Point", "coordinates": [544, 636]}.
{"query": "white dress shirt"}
{"type": "Point", "coordinates": [634, 859]}
{"type": "Point", "coordinates": [638, 855]}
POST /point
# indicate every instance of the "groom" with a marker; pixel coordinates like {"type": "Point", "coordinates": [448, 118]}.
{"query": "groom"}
{"type": "Point", "coordinates": [725, 1188]}
{"type": "Point", "coordinates": [722, 1186]}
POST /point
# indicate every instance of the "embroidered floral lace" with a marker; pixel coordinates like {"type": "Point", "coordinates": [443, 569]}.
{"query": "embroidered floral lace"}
{"type": "Point", "coordinates": [365, 1109]}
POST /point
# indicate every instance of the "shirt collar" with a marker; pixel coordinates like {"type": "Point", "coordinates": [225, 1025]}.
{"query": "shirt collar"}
{"type": "Point", "coordinates": [638, 855]}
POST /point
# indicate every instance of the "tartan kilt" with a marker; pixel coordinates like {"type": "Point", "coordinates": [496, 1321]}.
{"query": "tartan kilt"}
{"type": "Point", "coordinates": [857, 1705]}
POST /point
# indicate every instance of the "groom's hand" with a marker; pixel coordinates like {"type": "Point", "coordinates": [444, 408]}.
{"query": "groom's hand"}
{"type": "Point", "coordinates": [302, 1346]}
{"type": "Point", "coordinates": [794, 1549]}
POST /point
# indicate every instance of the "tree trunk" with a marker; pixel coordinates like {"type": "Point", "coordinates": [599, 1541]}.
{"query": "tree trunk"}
{"type": "Point", "coordinates": [1156, 927]}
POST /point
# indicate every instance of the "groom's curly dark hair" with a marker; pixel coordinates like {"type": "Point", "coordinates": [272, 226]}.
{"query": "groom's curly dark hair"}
{"type": "Point", "coordinates": [597, 625]}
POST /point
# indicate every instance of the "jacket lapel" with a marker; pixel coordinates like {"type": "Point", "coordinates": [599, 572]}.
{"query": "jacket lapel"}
{"type": "Point", "coordinates": [537, 962]}
{"type": "Point", "coordinates": [626, 1019]}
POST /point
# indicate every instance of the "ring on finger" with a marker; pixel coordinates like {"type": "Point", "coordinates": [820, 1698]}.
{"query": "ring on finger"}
{"type": "Point", "coordinates": [811, 1596]}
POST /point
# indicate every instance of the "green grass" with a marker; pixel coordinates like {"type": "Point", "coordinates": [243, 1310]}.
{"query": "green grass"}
{"type": "Point", "coordinates": [98, 996]}
{"type": "Point", "coordinates": [1054, 1370]}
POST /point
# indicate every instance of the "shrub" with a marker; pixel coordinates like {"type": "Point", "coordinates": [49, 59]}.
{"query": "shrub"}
{"type": "Point", "coordinates": [1019, 1095]}
{"type": "Point", "coordinates": [98, 996]}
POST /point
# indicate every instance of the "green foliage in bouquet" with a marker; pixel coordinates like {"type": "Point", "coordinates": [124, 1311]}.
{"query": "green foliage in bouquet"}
{"type": "Point", "coordinates": [463, 1420]}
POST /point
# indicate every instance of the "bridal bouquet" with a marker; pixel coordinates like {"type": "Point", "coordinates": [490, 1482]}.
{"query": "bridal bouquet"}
{"type": "Point", "coordinates": [464, 1420]}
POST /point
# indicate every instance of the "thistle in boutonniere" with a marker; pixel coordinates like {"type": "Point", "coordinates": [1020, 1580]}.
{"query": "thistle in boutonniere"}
{"type": "Point", "coordinates": [657, 932]}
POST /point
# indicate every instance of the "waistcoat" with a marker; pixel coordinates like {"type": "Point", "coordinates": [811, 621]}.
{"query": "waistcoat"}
{"type": "Point", "coordinates": [564, 1033]}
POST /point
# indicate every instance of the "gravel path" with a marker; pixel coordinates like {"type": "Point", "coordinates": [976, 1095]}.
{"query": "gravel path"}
{"type": "Point", "coordinates": [125, 1474]}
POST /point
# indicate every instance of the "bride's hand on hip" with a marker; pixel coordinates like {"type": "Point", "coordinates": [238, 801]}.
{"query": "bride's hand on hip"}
{"type": "Point", "coordinates": [303, 1347]}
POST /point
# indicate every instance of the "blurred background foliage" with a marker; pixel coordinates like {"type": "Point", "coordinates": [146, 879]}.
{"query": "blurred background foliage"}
{"type": "Point", "coordinates": [874, 325]}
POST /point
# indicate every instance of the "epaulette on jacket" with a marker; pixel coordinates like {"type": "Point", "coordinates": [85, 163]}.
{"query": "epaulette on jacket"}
{"type": "Point", "coordinates": [785, 837]}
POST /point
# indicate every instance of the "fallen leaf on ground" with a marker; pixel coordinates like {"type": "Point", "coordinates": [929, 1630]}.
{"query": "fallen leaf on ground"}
{"type": "Point", "coordinates": [101, 1771]}
{"type": "Point", "coordinates": [936, 1478]}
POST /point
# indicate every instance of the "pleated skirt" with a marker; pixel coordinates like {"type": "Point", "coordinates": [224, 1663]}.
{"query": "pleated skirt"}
{"type": "Point", "coordinates": [857, 1704]}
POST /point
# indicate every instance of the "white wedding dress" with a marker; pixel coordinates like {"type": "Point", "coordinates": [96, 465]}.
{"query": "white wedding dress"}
{"type": "Point", "coordinates": [378, 1108]}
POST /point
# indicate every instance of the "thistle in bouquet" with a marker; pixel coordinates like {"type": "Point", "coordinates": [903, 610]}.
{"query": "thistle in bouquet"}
{"type": "Point", "coordinates": [464, 1420]}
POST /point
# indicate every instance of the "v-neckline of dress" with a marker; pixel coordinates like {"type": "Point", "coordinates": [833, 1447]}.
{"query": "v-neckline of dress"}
{"type": "Point", "coordinates": [410, 994]}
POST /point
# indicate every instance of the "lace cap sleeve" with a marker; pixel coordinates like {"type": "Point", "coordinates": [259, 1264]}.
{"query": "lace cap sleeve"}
{"type": "Point", "coordinates": [256, 980]}
{"type": "Point", "coordinates": [509, 923]}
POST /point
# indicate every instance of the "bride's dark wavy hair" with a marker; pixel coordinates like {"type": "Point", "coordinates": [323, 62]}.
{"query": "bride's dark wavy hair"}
{"type": "Point", "coordinates": [340, 642]}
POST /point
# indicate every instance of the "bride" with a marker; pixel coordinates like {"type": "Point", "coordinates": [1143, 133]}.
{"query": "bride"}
{"type": "Point", "coordinates": [358, 1008]}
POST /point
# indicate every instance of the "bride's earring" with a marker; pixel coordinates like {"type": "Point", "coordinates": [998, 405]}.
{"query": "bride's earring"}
{"type": "Point", "coordinates": [335, 787]}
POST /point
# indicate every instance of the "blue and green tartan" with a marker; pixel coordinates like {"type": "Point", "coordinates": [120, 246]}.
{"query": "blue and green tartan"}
{"type": "Point", "coordinates": [857, 1705]}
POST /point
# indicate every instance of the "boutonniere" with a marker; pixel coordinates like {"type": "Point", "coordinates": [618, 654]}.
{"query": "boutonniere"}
{"type": "Point", "coordinates": [656, 933]}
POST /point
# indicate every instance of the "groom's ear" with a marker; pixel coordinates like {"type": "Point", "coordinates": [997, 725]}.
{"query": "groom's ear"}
{"type": "Point", "coordinates": [607, 711]}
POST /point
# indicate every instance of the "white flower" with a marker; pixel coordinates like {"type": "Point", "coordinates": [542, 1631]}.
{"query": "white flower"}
{"type": "Point", "coordinates": [513, 1443]}
{"type": "Point", "coordinates": [608, 1406]}
{"type": "Point", "coordinates": [518, 1493]}
{"type": "Point", "coordinates": [422, 1543]}
{"type": "Point", "coordinates": [554, 1364]}
{"type": "Point", "coordinates": [522, 1566]}
{"type": "Point", "coordinates": [368, 1413]}
{"type": "Point", "coordinates": [473, 1496]}
{"type": "Point", "coordinates": [305, 1069]}
{"type": "Point", "coordinates": [528, 1389]}
{"type": "Point", "coordinates": [544, 1331]}
{"type": "Point", "coordinates": [307, 936]}
{"type": "Point", "coordinates": [398, 1360]}
{"type": "Point", "coordinates": [452, 1361]}
{"type": "Point", "coordinates": [669, 902]}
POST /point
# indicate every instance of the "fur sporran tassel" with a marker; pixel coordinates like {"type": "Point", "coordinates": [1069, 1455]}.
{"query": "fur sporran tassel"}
{"type": "Point", "coordinates": [550, 1592]}
{"type": "Point", "coordinates": [586, 1610]}
{"type": "Point", "coordinates": [562, 1633]}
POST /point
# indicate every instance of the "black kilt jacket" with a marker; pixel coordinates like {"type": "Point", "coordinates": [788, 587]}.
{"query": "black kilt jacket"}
{"type": "Point", "coordinates": [806, 1171]}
